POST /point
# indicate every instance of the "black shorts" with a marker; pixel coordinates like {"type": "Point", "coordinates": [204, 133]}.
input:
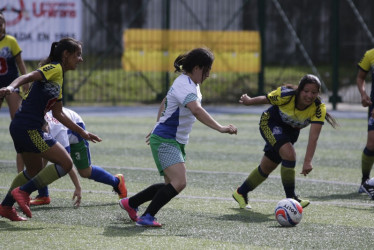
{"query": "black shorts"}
{"type": "Point", "coordinates": [30, 140]}
{"type": "Point", "coordinates": [275, 136]}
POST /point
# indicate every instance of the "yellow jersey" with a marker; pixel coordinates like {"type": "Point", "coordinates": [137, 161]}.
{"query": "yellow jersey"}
{"type": "Point", "coordinates": [9, 49]}
{"type": "Point", "coordinates": [367, 64]}
{"type": "Point", "coordinates": [284, 111]}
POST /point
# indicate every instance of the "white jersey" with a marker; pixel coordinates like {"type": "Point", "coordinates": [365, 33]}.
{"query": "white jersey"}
{"type": "Point", "coordinates": [61, 133]}
{"type": "Point", "coordinates": [176, 120]}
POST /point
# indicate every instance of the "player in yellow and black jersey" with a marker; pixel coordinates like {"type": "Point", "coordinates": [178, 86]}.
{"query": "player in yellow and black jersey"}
{"type": "Point", "coordinates": [11, 64]}
{"type": "Point", "coordinates": [26, 128]}
{"type": "Point", "coordinates": [292, 108]}
{"type": "Point", "coordinates": [367, 158]}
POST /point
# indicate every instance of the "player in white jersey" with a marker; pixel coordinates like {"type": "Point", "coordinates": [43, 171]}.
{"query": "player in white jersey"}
{"type": "Point", "coordinates": [80, 152]}
{"type": "Point", "coordinates": [177, 113]}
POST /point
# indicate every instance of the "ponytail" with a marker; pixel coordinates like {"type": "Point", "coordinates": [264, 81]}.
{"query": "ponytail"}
{"type": "Point", "coordinates": [331, 120]}
{"type": "Point", "coordinates": [50, 58]}
{"type": "Point", "coordinates": [201, 57]}
{"type": "Point", "coordinates": [57, 49]}
{"type": "Point", "coordinates": [178, 63]}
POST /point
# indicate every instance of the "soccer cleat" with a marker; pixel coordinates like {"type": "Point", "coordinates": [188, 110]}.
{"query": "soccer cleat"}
{"type": "Point", "coordinates": [303, 203]}
{"type": "Point", "coordinates": [369, 189]}
{"type": "Point", "coordinates": [10, 213]}
{"type": "Point", "coordinates": [361, 188]}
{"type": "Point", "coordinates": [148, 221]}
{"type": "Point", "coordinates": [124, 204]}
{"type": "Point", "coordinates": [40, 200]}
{"type": "Point", "coordinates": [23, 200]}
{"type": "Point", "coordinates": [241, 199]}
{"type": "Point", "coordinates": [121, 188]}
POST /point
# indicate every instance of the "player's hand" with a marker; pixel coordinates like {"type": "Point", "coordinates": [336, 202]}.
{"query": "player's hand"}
{"type": "Point", "coordinates": [245, 100]}
{"type": "Point", "coordinates": [77, 196]}
{"type": "Point", "coordinates": [307, 168]}
{"type": "Point", "coordinates": [147, 138]}
{"type": "Point", "coordinates": [365, 100]}
{"type": "Point", "coordinates": [6, 91]}
{"type": "Point", "coordinates": [2, 92]}
{"type": "Point", "coordinates": [90, 137]}
{"type": "Point", "coordinates": [230, 129]}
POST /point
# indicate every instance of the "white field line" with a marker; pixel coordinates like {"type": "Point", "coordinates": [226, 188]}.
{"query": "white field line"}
{"type": "Point", "coordinates": [345, 203]}
{"type": "Point", "coordinates": [218, 172]}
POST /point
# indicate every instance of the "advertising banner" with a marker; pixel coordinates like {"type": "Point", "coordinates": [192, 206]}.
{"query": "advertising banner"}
{"type": "Point", "coordinates": [37, 23]}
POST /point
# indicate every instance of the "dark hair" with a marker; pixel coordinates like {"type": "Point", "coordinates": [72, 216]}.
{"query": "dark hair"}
{"type": "Point", "coordinates": [307, 79]}
{"type": "Point", "coordinates": [201, 57]}
{"type": "Point", "coordinates": [58, 48]}
{"type": "Point", "coordinates": [3, 18]}
{"type": "Point", "coordinates": [312, 79]}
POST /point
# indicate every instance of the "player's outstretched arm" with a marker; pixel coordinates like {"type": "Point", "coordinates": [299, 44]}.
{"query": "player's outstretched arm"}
{"type": "Point", "coordinates": [77, 195]}
{"type": "Point", "coordinates": [247, 100]}
{"type": "Point", "coordinates": [204, 117]}
{"type": "Point", "coordinates": [314, 132]}
{"type": "Point", "coordinates": [67, 122]}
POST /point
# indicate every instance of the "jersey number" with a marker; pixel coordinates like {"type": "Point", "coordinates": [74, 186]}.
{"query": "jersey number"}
{"type": "Point", "coordinates": [3, 66]}
{"type": "Point", "coordinates": [77, 156]}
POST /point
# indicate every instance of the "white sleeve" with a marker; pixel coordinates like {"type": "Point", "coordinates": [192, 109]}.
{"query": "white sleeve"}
{"type": "Point", "coordinates": [62, 137]}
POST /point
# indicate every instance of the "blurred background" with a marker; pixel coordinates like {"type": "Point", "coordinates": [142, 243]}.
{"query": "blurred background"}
{"type": "Point", "coordinates": [129, 46]}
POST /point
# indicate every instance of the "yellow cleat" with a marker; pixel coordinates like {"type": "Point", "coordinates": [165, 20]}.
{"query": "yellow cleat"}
{"type": "Point", "coordinates": [303, 203]}
{"type": "Point", "coordinates": [242, 200]}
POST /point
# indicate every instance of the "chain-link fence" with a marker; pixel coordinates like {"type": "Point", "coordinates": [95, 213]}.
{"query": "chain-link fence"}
{"type": "Point", "coordinates": [326, 38]}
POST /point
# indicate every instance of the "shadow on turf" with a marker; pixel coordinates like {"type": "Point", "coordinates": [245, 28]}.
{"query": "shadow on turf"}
{"type": "Point", "coordinates": [348, 196]}
{"type": "Point", "coordinates": [7, 226]}
{"type": "Point", "coordinates": [52, 207]}
{"type": "Point", "coordinates": [130, 230]}
{"type": "Point", "coordinates": [244, 215]}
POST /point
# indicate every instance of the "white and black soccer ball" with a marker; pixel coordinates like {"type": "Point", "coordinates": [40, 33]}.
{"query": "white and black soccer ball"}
{"type": "Point", "coordinates": [370, 182]}
{"type": "Point", "coordinates": [288, 212]}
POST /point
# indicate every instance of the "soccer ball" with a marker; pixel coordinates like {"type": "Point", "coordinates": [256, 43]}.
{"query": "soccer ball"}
{"type": "Point", "coordinates": [288, 212]}
{"type": "Point", "coordinates": [371, 182]}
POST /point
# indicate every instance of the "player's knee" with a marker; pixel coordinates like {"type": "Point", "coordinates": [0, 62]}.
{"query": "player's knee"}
{"type": "Point", "coordinates": [67, 164]}
{"type": "Point", "coordinates": [180, 185]}
{"type": "Point", "coordinates": [370, 145]}
{"type": "Point", "coordinates": [288, 156]}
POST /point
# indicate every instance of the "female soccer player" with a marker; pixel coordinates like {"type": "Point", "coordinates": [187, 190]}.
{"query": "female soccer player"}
{"type": "Point", "coordinates": [10, 63]}
{"type": "Point", "coordinates": [292, 108]}
{"type": "Point", "coordinates": [178, 111]}
{"type": "Point", "coordinates": [26, 128]}
{"type": "Point", "coordinates": [367, 158]}
{"type": "Point", "coordinates": [79, 150]}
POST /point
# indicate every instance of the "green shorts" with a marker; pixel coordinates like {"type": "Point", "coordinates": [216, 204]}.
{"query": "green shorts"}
{"type": "Point", "coordinates": [166, 152]}
{"type": "Point", "coordinates": [80, 153]}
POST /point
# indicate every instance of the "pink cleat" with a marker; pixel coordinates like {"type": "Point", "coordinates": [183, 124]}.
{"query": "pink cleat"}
{"type": "Point", "coordinates": [23, 200]}
{"type": "Point", "coordinates": [124, 204]}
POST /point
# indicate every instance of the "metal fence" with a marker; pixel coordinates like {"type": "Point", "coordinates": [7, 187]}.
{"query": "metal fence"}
{"type": "Point", "coordinates": [326, 38]}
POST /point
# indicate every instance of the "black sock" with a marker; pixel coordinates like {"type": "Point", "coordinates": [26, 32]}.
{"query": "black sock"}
{"type": "Point", "coordinates": [163, 196]}
{"type": "Point", "coordinates": [145, 195]}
